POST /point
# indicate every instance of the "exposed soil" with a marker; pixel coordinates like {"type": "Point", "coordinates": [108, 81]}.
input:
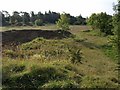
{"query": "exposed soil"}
{"type": "Point", "coordinates": [16, 37]}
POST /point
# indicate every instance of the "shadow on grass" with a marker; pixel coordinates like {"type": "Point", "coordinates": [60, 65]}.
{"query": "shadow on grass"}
{"type": "Point", "coordinates": [22, 36]}
{"type": "Point", "coordinates": [88, 44]}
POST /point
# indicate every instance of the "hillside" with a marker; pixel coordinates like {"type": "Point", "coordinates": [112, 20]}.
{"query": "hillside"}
{"type": "Point", "coordinates": [71, 59]}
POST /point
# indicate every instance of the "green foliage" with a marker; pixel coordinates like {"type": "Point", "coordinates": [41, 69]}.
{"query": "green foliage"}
{"type": "Point", "coordinates": [16, 18]}
{"type": "Point", "coordinates": [63, 22]}
{"type": "Point", "coordinates": [48, 18]}
{"type": "Point", "coordinates": [116, 30]}
{"type": "Point", "coordinates": [80, 20]}
{"type": "Point", "coordinates": [92, 20]}
{"type": "Point", "coordinates": [101, 21]}
{"type": "Point", "coordinates": [39, 22]}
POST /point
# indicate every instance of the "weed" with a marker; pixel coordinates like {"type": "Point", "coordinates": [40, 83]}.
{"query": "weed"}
{"type": "Point", "coordinates": [75, 56]}
{"type": "Point", "coordinates": [61, 84]}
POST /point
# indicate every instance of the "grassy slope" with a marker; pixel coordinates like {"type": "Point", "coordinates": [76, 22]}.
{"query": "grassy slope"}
{"type": "Point", "coordinates": [96, 70]}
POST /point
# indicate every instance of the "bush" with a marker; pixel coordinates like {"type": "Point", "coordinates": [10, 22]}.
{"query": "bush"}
{"type": "Point", "coordinates": [38, 22]}
{"type": "Point", "coordinates": [101, 21]}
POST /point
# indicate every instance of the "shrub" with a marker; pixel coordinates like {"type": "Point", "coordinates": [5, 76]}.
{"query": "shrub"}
{"type": "Point", "coordinates": [38, 22]}
{"type": "Point", "coordinates": [63, 22]}
{"type": "Point", "coordinates": [101, 21]}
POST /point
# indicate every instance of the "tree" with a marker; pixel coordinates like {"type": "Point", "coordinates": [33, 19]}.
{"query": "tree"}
{"type": "Point", "coordinates": [104, 23]}
{"type": "Point", "coordinates": [50, 17]}
{"type": "Point", "coordinates": [118, 29]}
{"type": "Point", "coordinates": [1, 19]}
{"type": "Point", "coordinates": [15, 18]}
{"type": "Point", "coordinates": [101, 21]}
{"type": "Point", "coordinates": [25, 18]}
{"type": "Point", "coordinates": [116, 24]}
{"type": "Point", "coordinates": [33, 17]}
{"type": "Point", "coordinates": [63, 22]}
{"type": "Point", "coordinates": [5, 17]}
{"type": "Point", "coordinates": [80, 20]}
{"type": "Point", "coordinates": [40, 16]}
{"type": "Point", "coordinates": [92, 20]}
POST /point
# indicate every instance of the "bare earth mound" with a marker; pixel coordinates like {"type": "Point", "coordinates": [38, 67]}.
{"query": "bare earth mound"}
{"type": "Point", "coordinates": [22, 36]}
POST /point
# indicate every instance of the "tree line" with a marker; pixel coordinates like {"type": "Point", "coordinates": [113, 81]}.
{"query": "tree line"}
{"type": "Point", "coordinates": [102, 21]}
{"type": "Point", "coordinates": [109, 25]}
{"type": "Point", "coordinates": [30, 19]}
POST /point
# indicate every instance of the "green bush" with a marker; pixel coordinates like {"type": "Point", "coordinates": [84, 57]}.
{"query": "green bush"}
{"type": "Point", "coordinates": [63, 22]}
{"type": "Point", "coordinates": [101, 21]}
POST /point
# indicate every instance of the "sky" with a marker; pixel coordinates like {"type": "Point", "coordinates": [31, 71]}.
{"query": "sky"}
{"type": "Point", "coordinates": [74, 7]}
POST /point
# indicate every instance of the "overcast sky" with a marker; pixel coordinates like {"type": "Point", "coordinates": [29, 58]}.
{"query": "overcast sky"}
{"type": "Point", "coordinates": [74, 7]}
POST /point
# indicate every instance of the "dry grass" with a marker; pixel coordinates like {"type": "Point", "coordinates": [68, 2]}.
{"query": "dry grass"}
{"type": "Point", "coordinates": [96, 70]}
{"type": "Point", "coordinates": [46, 27]}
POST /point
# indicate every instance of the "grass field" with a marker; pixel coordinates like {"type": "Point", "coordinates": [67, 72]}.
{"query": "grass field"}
{"type": "Point", "coordinates": [46, 27]}
{"type": "Point", "coordinates": [78, 61]}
